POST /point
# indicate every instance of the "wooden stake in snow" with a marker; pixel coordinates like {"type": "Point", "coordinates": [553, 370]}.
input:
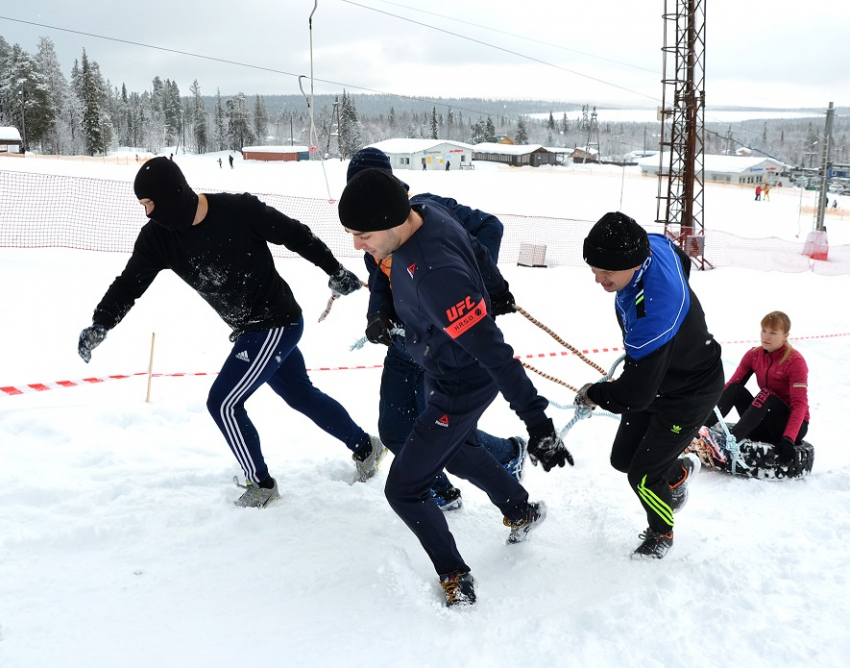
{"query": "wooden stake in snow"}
{"type": "Point", "coordinates": [150, 368]}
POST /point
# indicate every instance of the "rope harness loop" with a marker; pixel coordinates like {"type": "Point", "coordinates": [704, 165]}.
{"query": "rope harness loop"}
{"type": "Point", "coordinates": [731, 444]}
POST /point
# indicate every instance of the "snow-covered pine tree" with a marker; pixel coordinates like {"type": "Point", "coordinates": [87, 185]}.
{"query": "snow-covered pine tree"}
{"type": "Point", "coordinates": [173, 113]}
{"type": "Point", "coordinates": [219, 123]}
{"type": "Point", "coordinates": [521, 131]}
{"type": "Point", "coordinates": [57, 90]}
{"type": "Point", "coordinates": [350, 130]}
{"type": "Point", "coordinates": [261, 119]}
{"type": "Point", "coordinates": [240, 132]}
{"type": "Point", "coordinates": [90, 97]}
{"type": "Point", "coordinates": [489, 130]}
{"type": "Point", "coordinates": [434, 123]}
{"type": "Point", "coordinates": [198, 118]}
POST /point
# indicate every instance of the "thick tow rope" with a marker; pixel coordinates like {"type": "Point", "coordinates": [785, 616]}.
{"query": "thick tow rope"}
{"type": "Point", "coordinates": [566, 345]}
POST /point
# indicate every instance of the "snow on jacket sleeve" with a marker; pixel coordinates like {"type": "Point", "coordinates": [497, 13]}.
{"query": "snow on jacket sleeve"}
{"type": "Point", "coordinates": [456, 305]}
{"type": "Point", "coordinates": [142, 267]}
{"type": "Point", "coordinates": [277, 228]}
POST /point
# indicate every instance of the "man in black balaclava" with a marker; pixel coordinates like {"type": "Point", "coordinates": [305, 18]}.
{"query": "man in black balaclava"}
{"type": "Point", "coordinates": [161, 182]}
{"type": "Point", "coordinates": [226, 237]}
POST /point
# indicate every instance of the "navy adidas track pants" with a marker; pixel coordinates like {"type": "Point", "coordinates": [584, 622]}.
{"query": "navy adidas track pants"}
{"type": "Point", "coordinates": [444, 436]}
{"type": "Point", "coordinates": [272, 356]}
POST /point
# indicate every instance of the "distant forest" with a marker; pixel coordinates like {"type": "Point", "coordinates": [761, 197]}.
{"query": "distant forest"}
{"type": "Point", "coordinates": [85, 113]}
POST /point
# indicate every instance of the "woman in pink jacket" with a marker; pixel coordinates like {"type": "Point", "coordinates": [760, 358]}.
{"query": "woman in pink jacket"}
{"type": "Point", "coordinates": [779, 414]}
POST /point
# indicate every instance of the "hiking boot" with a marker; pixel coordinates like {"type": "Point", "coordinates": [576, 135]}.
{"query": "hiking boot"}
{"type": "Point", "coordinates": [459, 588]}
{"type": "Point", "coordinates": [522, 528]}
{"type": "Point", "coordinates": [690, 466]}
{"type": "Point", "coordinates": [447, 499]}
{"type": "Point", "coordinates": [654, 546]}
{"type": "Point", "coordinates": [515, 465]}
{"type": "Point", "coordinates": [715, 439]}
{"type": "Point", "coordinates": [256, 496]}
{"type": "Point", "coordinates": [368, 458]}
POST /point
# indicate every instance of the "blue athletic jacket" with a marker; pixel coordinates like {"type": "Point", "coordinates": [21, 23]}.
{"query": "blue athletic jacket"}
{"type": "Point", "coordinates": [441, 296]}
{"type": "Point", "coordinates": [484, 227]}
{"type": "Point", "coordinates": [671, 358]}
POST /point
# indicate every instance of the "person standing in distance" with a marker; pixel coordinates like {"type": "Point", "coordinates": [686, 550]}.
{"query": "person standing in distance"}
{"type": "Point", "coordinates": [218, 244]}
{"type": "Point", "coordinates": [440, 295]}
{"type": "Point", "coordinates": [672, 375]}
{"type": "Point", "coordinates": [402, 390]}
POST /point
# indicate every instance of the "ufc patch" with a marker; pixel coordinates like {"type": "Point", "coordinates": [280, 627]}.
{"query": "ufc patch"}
{"type": "Point", "coordinates": [464, 315]}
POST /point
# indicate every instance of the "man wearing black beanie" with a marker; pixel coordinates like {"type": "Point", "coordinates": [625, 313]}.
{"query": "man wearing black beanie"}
{"type": "Point", "coordinates": [218, 244]}
{"type": "Point", "coordinates": [401, 395]}
{"type": "Point", "coordinates": [672, 377]}
{"type": "Point", "coordinates": [440, 292]}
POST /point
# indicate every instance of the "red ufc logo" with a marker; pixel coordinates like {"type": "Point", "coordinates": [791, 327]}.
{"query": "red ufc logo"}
{"type": "Point", "coordinates": [459, 309]}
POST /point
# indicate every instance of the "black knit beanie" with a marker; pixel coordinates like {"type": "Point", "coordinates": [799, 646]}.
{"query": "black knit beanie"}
{"type": "Point", "coordinates": [368, 158]}
{"type": "Point", "coordinates": [616, 243]}
{"type": "Point", "coordinates": [175, 203]}
{"type": "Point", "coordinates": [373, 200]}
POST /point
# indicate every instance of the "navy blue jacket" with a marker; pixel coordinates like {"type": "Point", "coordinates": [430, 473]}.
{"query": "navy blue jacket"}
{"type": "Point", "coordinates": [671, 357]}
{"type": "Point", "coordinates": [484, 227]}
{"type": "Point", "coordinates": [440, 295]}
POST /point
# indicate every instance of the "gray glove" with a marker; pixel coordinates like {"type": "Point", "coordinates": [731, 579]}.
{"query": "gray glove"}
{"type": "Point", "coordinates": [90, 338]}
{"type": "Point", "coordinates": [344, 282]}
{"type": "Point", "coordinates": [582, 400]}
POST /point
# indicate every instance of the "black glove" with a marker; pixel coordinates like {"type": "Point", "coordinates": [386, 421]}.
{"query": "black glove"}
{"type": "Point", "coordinates": [785, 451]}
{"type": "Point", "coordinates": [545, 446]}
{"type": "Point", "coordinates": [582, 400]}
{"type": "Point", "coordinates": [90, 338]}
{"type": "Point", "coordinates": [344, 282]}
{"type": "Point", "coordinates": [503, 303]}
{"type": "Point", "coordinates": [378, 329]}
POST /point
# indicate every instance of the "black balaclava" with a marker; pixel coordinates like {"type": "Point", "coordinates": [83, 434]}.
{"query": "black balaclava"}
{"type": "Point", "coordinates": [175, 203]}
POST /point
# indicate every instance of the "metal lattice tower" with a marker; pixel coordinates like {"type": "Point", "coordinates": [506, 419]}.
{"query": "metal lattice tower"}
{"type": "Point", "coordinates": [680, 201]}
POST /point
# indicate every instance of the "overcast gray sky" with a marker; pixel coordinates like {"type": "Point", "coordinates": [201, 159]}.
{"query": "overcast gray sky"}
{"type": "Point", "coordinates": [781, 53]}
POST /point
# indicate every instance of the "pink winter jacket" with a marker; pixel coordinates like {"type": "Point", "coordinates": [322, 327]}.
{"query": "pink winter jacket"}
{"type": "Point", "coordinates": [788, 381]}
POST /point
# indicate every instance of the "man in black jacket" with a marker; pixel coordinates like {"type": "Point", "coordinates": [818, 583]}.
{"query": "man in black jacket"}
{"type": "Point", "coordinates": [218, 244]}
{"type": "Point", "coordinates": [672, 377]}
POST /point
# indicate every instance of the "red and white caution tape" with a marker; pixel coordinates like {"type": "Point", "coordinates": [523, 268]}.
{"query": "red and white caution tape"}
{"type": "Point", "coordinates": [12, 390]}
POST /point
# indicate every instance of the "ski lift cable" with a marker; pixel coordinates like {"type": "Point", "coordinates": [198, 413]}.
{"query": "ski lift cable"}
{"type": "Point", "coordinates": [510, 34]}
{"type": "Point", "coordinates": [500, 48]}
{"type": "Point", "coordinates": [261, 68]}
{"type": "Point", "coordinates": [314, 137]}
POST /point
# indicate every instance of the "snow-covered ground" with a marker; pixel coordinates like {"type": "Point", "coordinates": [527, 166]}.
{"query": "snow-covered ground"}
{"type": "Point", "coordinates": [119, 543]}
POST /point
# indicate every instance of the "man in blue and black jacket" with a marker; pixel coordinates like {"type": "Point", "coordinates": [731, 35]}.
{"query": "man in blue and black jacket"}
{"type": "Point", "coordinates": [672, 377]}
{"type": "Point", "coordinates": [402, 390]}
{"type": "Point", "coordinates": [441, 295]}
